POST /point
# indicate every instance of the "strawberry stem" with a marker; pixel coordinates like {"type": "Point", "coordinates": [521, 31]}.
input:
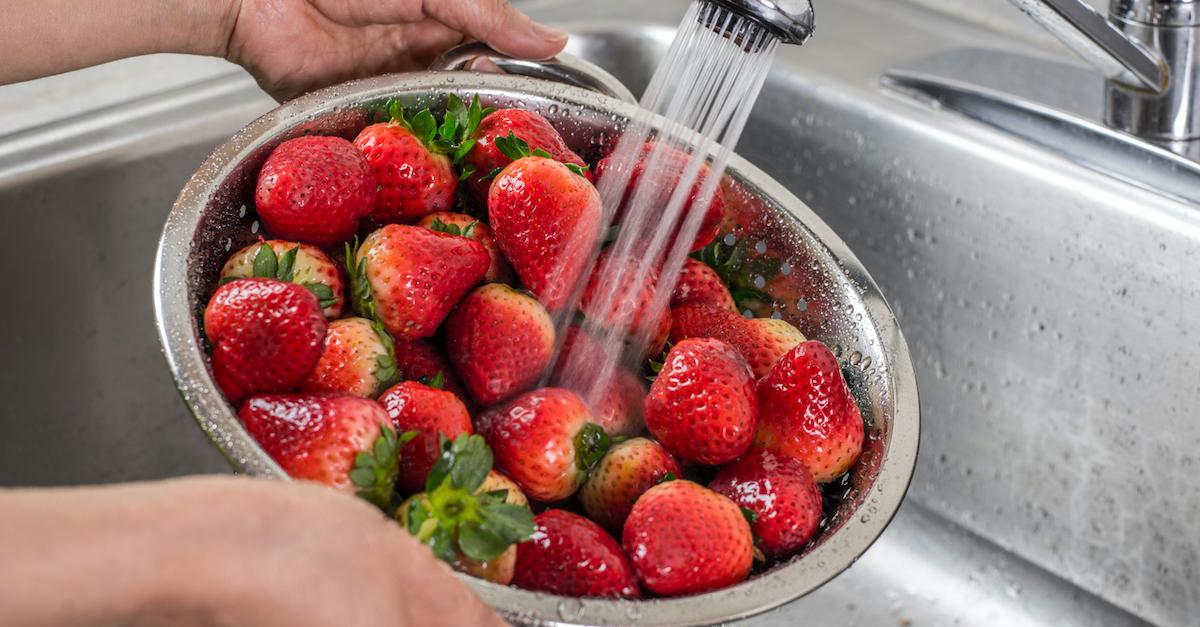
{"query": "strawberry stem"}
{"type": "Point", "coordinates": [591, 443]}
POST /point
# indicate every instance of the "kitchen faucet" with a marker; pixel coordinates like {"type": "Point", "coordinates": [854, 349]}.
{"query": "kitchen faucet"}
{"type": "Point", "coordinates": [1150, 52]}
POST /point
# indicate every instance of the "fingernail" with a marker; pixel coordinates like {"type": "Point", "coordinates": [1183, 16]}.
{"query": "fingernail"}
{"type": "Point", "coordinates": [549, 33]}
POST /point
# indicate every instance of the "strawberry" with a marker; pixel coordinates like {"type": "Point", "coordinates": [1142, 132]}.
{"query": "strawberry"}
{"type": "Point", "coordinates": [619, 409]}
{"type": "Point", "coordinates": [461, 521]}
{"type": "Point", "coordinates": [314, 189]}
{"type": "Point", "coordinates": [684, 538]}
{"type": "Point", "coordinates": [701, 284]}
{"type": "Point", "coordinates": [266, 336]}
{"type": "Point", "coordinates": [432, 413]}
{"type": "Point", "coordinates": [781, 493]}
{"type": "Point", "coordinates": [762, 341]}
{"type": "Point", "coordinates": [290, 261]}
{"type": "Point", "coordinates": [409, 278]}
{"type": "Point", "coordinates": [622, 298]}
{"type": "Point", "coordinates": [626, 471]}
{"type": "Point", "coordinates": [500, 341]}
{"type": "Point", "coordinates": [545, 441]}
{"type": "Point", "coordinates": [358, 359]}
{"type": "Point", "coordinates": [702, 406]}
{"type": "Point", "coordinates": [670, 168]}
{"type": "Point", "coordinates": [570, 555]}
{"type": "Point", "coordinates": [546, 220]}
{"type": "Point", "coordinates": [466, 226]}
{"type": "Point", "coordinates": [343, 441]}
{"type": "Point", "coordinates": [498, 570]}
{"type": "Point", "coordinates": [809, 413]}
{"type": "Point", "coordinates": [410, 158]}
{"type": "Point", "coordinates": [420, 360]}
{"type": "Point", "coordinates": [485, 158]}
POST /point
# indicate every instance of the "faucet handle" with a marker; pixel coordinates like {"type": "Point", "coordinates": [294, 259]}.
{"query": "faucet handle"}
{"type": "Point", "coordinates": [1170, 13]}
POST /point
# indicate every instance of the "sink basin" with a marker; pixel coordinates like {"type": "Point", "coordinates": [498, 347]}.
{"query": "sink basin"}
{"type": "Point", "coordinates": [1051, 311]}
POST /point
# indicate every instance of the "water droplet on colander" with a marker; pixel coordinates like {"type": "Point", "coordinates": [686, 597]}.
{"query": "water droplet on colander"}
{"type": "Point", "coordinates": [633, 611]}
{"type": "Point", "coordinates": [855, 358]}
{"type": "Point", "coordinates": [865, 518]}
{"type": "Point", "coordinates": [570, 609]}
{"type": "Point", "coordinates": [730, 239]}
{"type": "Point", "coordinates": [254, 227]}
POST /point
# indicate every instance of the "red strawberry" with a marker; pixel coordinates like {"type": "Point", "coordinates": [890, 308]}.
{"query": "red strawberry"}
{"type": "Point", "coordinates": [684, 538]}
{"type": "Point", "coordinates": [410, 277]}
{"type": "Point", "coordinates": [702, 406]}
{"type": "Point", "coordinates": [670, 169]}
{"type": "Point", "coordinates": [465, 225]}
{"type": "Point", "coordinates": [782, 494]}
{"type": "Point", "coordinates": [545, 441]}
{"type": "Point", "coordinates": [266, 334]}
{"type": "Point", "coordinates": [623, 297]}
{"type": "Point", "coordinates": [357, 360]}
{"type": "Point", "coordinates": [546, 220]}
{"type": "Point", "coordinates": [570, 555]}
{"type": "Point", "coordinates": [762, 341]}
{"type": "Point", "coordinates": [500, 341]}
{"type": "Point", "coordinates": [486, 157]}
{"type": "Point", "coordinates": [340, 440]}
{"type": "Point", "coordinates": [625, 472]}
{"type": "Point", "coordinates": [809, 413]}
{"type": "Point", "coordinates": [698, 283]}
{"type": "Point", "coordinates": [619, 410]}
{"type": "Point", "coordinates": [428, 411]}
{"type": "Point", "coordinates": [290, 261]}
{"type": "Point", "coordinates": [415, 176]}
{"type": "Point", "coordinates": [420, 360]}
{"type": "Point", "coordinates": [314, 189]}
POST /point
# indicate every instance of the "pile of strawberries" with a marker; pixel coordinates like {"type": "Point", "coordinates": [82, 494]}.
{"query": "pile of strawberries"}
{"type": "Point", "coordinates": [406, 368]}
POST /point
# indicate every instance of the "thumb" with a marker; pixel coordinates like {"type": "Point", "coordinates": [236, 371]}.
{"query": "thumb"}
{"type": "Point", "coordinates": [499, 25]}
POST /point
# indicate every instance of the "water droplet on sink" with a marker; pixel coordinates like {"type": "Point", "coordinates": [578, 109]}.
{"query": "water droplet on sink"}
{"type": "Point", "coordinates": [570, 609]}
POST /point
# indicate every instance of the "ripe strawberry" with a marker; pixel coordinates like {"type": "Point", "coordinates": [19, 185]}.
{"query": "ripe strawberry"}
{"type": "Point", "coordinates": [466, 226]}
{"type": "Point", "coordinates": [500, 341]}
{"type": "Point", "coordinates": [702, 406]}
{"type": "Point", "coordinates": [622, 297]}
{"type": "Point", "coordinates": [314, 189]}
{"type": "Point", "coordinates": [684, 539]}
{"type": "Point", "coordinates": [486, 158]}
{"type": "Point", "coordinates": [698, 283]}
{"type": "Point", "coordinates": [546, 220]}
{"type": "Point", "coordinates": [570, 555]}
{"type": "Point", "coordinates": [619, 410]}
{"type": "Point", "coordinates": [409, 157]}
{"type": "Point", "coordinates": [670, 169]}
{"type": "Point", "coordinates": [357, 360]}
{"type": "Point", "coordinates": [420, 360]}
{"type": "Point", "coordinates": [290, 261]}
{"type": "Point", "coordinates": [340, 440]}
{"type": "Point", "coordinates": [545, 441]}
{"type": "Point", "coordinates": [461, 521]}
{"type": "Point", "coordinates": [266, 336]}
{"type": "Point", "coordinates": [626, 471]}
{"type": "Point", "coordinates": [781, 493]}
{"type": "Point", "coordinates": [762, 341]}
{"type": "Point", "coordinates": [409, 278]}
{"type": "Point", "coordinates": [498, 570]}
{"type": "Point", "coordinates": [432, 413]}
{"type": "Point", "coordinates": [809, 413]}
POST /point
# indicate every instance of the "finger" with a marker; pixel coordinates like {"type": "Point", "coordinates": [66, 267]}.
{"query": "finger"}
{"type": "Point", "coordinates": [498, 24]}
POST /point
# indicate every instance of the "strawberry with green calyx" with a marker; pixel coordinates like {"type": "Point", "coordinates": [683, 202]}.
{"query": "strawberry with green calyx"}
{"type": "Point", "coordinates": [359, 359]}
{"type": "Point", "coordinates": [626, 471]}
{"type": "Point", "coordinates": [485, 157]}
{"type": "Point", "coordinates": [431, 413]}
{"type": "Point", "coordinates": [515, 148]}
{"type": "Point", "coordinates": [292, 262]}
{"type": "Point", "coordinates": [499, 570]}
{"type": "Point", "coordinates": [700, 283]}
{"type": "Point", "coordinates": [342, 441]}
{"type": "Point", "coordinates": [411, 158]}
{"type": "Point", "coordinates": [409, 277]}
{"type": "Point", "coordinates": [471, 228]}
{"type": "Point", "coordinates": [452, 519]}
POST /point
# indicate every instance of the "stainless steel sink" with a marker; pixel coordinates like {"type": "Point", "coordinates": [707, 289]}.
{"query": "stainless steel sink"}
{"type": "Point", "coordinates": [1051, 310]}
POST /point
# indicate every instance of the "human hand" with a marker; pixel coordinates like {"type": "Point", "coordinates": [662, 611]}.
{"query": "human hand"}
{"type": "Point", "coordinates": [294, 46]}
{"type": "Point", "coordinates": [220, 551]}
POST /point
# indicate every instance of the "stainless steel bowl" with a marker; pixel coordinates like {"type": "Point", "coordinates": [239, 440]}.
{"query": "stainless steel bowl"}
{"type": "Point", "coordinates": [827, 294]}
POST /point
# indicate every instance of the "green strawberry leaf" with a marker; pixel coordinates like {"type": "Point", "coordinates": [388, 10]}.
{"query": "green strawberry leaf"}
{"type": "Point", "coordinates": [424, 126]}
{"type": "Point", "coordinates": [395, 111]}
{"type": "Point", "coordinates": [493, 496]}
{"type": "Point", "coordinates": [374, 472]}
{"type": "Point", "coordinates": [469, 232]}
{"type": "Point", "coordinates": [750, 515]}
{"type": "Point", "coordinates": [229, 279]}
{"type": "Point", "coordinates": [512, 146]}
{"type": "Point", "coordinates": [287, 265]}
{"type": "Point", "coordinates": [542, 153]}
{"type": "Point", "coordinates": [479, 542]}
{"type": "Point", "coordinates": [442, 227]}
{"type": "Point", "coordinates": [361, 298]}
{"type": "Point", "coordinates": [473, 460]}
{"type": "Point", "coordinates": [741, 270]}
{"type": "Point", "coordinates": [266, 264]}
{"type": "Point", "coordinates": [669, 476]}
{"type": "Point", "coordinates": [461, 151]}
{"type": "Point", "coordinates": [437, 382]}
{"type": "Point", "coordinates": [513, 523]}
{"type": "Point", "coordinates": [493, 174]}
{"type": "Point", "coordinates": [386, 370]}
{"type": "Point", "coordinates": [323, 293]}
{"type": "Point", "coordinates": [576, 168]}
{"type": "Point", "coordinates": [591, 443]}
{"type": "Point", "coordinates": [475, 115]}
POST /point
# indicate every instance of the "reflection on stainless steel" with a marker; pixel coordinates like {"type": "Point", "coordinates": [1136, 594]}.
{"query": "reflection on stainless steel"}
{"type": "Point", "coordinates": [1150, 51]}
{"type": "Point", "coordinates": [565, 68]}
{"type": "Point", "coordinates": [791, 20]}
